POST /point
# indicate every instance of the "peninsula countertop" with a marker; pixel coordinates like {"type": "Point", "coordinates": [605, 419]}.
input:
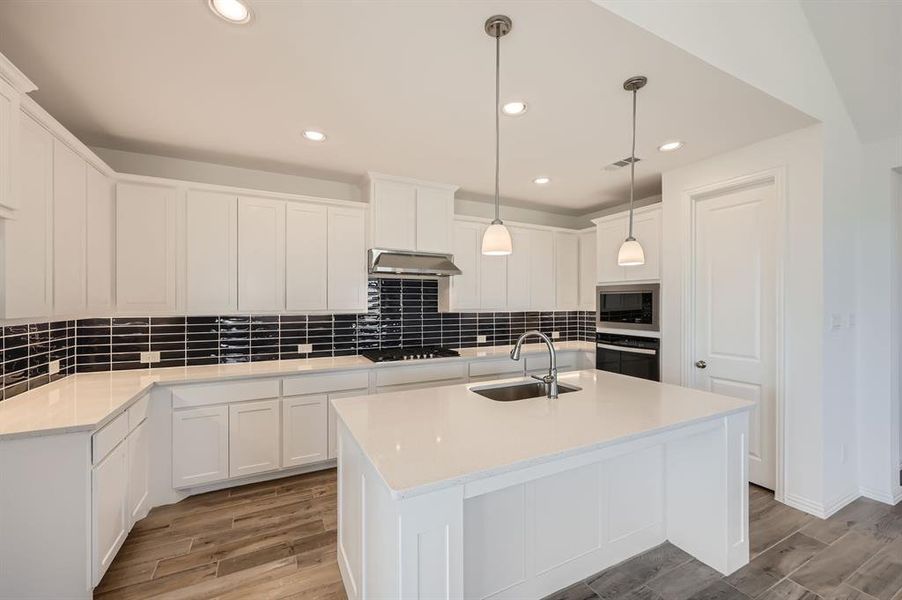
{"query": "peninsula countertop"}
{"type": "Point", "coordinates": [450, 435]}
{"type": "Point", "coordinates": [87, 401]}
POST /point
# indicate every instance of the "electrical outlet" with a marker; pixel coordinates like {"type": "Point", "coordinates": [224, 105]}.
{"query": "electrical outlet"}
{"type": "Point", "coordinates": [150, 357]}
{"type": "Point", "coordinates": [480, 339]}
{"type": "Point", "coordinates": [305, 348]}
{"type": "Point", "coordinates": [836, 321]}
{"type": "Point", "coordinates": [555, 335]}
{"type": "Point", "coordinates": [54, 367]}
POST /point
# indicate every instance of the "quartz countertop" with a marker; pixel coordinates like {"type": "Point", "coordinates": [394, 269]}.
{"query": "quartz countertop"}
{"type": "Point", "coordinates": [423, 440]}
{"type": "Point", "coordinates": [87, 401]}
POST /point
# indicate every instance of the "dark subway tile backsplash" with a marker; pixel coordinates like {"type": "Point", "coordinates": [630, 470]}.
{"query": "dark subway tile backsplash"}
{"type": "Point", "coordinates": [400, 312]}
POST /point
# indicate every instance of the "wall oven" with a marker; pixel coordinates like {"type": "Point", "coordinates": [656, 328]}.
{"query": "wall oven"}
{"type": "Point", "coordinates": [628, 306]}
{"type": "Point", "coordinates": [628, 355]}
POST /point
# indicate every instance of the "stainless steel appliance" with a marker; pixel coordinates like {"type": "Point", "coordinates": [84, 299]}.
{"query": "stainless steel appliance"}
{"type": "Point", "coordinates": [403, 262]}
{"type": "Point", "coordinates": [629, 355]}
{"type": "Point", "coordinates": [393, 354]}
{"type": "Point", "coordinates": [628, 306]}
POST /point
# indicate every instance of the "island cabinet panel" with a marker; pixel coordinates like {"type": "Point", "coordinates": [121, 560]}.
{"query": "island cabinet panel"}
{"type": "Point", "coordinates": [304, 429]}
{"type": "Point", "coordinates": [254, 437]}
{"type": "Point", "coordinates": [200, 445]}
{"type": "Point", "coordinates": [211, 252]}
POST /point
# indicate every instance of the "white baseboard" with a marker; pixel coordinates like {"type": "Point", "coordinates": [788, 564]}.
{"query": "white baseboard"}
{"type": "Point", "coordinates": [819, 509]}
{"type": "Point", "coordinates": [885, 496]}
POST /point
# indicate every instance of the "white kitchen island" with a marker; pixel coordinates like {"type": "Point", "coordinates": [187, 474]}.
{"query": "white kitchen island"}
{"type": "Point", "coordinates": [444, 493]}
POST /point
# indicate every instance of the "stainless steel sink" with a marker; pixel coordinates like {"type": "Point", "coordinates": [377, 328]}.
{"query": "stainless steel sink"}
{"type": "Point", "coordinates": [519, 391]}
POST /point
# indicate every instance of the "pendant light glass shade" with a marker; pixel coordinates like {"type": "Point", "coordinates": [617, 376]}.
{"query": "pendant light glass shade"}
{"type": "Point", "coordinates": [631, 254]}
{"type": "Point", "coordinates": [497, 240]}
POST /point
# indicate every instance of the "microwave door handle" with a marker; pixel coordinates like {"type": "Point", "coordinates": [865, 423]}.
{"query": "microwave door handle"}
{"type": "Point", "coordinates": [625, 349]}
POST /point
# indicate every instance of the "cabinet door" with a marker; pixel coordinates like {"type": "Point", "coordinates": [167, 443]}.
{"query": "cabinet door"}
{"type": "Point", "coordinates": [306, 255]}
{"type": "Point", "coordinates": [465, 287]}
{"type": "Point", "coordinates": [587, 272]}
{"type": "Point", "coordinates": [518, 274]}
{"type": "Point", "coordinates": [27, 260]}
{"type": "Point", "coordinates": [347, 259]}
{"type": "Point", "coordinates": [138, 472]}
{"type": "Point", "coordinates": [211, 252]}
{"type": "Point", "coordinates": [109, 482]}
{"type": "Point", "coordinates": [9, 130]}
{"type": "Point", "coordinates": [261, 254]}
{"type": "Point", "coordinates": [145, 248]}
{"type": "Point", "coordinates": [394, 208]}
{"type": "Point", "coordinates": [492, 280]}
{"type": "Point", "coordinates": [304, 430]}
{"type": "Point", "coordinates": [609, 237]}
{"type": "Point", "coordinates": [435, 214]}
{"type": "Point", "coordinates": [254, 440]}
{"type": "Point", "coordinates": [69, 231]}
{"type": "Point", "coordinates": [200, 445]}
{"type": "Point", "coordinates": [566, 271]}
{"type": "Point", "coordinates": [541, 268]}
{"type": "Point", "coordinates": [101, 242]}
{"type": "Point", "coordinates": [647, 230]}
{"type": "Point", "coordinates": [333, 418]}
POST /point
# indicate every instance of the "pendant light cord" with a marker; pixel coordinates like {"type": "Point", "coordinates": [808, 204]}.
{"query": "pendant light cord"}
{"type": "Point", "coordinates": [497, 122]}
{"type": "Point", "coordinates": [633, 166]}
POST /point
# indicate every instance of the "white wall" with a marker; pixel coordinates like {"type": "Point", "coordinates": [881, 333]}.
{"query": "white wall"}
{"type": "Point", "coordinates": [799, 154]}
{"type": "Point", "coordinates": [787, 64]}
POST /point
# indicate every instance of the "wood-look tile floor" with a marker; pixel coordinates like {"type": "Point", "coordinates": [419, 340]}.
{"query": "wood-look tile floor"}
{"type": "Point", "coordinates": [854, 555]}
{"type": "Point", "coordinates": [267, 540]}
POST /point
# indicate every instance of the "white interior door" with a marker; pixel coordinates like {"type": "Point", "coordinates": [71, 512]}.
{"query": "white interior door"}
{"type": "Point", "coordinates": [735, 311]}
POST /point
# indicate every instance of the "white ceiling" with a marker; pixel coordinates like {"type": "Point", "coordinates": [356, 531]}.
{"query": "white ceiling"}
{"type": "Point", "coordinates": [400, 87]}
{"type": "Point", "coordinates": [860, 41]}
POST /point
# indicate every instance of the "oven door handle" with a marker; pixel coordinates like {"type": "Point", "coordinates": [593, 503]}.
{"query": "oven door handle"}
{"type": "Point", "coordinates": [625, 349]}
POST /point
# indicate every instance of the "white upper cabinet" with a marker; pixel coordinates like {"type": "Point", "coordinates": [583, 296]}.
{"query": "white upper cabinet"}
{"type": "Point", "coordinates": [492, 281]}
{"type": "Point", "coordinates": [9, 132]}
{"type": "Point", "coordinates": [306, 256]}
{"type": "Point", "coordinates": [101, 243]}
{"type": "Point", "coordinates": [587, 272]}
{"type": "Point", "coordinates": [145, 248]}
{"type": "Point", "coordinates": [541, 269]}
{"type": "Point", "coordinates": [261, 254]}
{"type": "Point", "coordinates": [518, 271]}
{"type": "Point", "coordinates": [347, 259]}
{"type": "Point", "coordinates": [211, 252]}
{"type": "Point", "coordinates": [610, 233]}
{"type": "Point", "coordinates": [27, 262]}
{"type": "Point", "coordinates": [69, 231]}
{"type": "Point", "coordinates": [465, 287]}
{"type": "Point", "coordinates": [566, 270]}
{"type": "Point", "coordinates": [411, 215]}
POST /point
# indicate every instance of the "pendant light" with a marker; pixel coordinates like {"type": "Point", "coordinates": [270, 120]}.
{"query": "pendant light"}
{"type": "Point", "coordinates": [497, 239]}
{"type": "Point", "coordinates": [631, 253]}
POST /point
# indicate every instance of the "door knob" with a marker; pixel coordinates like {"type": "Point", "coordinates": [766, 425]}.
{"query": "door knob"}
{"type": "Point", "coordinates": [701, 364]}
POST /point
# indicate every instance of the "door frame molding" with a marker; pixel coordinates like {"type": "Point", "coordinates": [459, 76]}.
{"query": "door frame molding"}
{"type": "Point", "coordinates": [777, 178]}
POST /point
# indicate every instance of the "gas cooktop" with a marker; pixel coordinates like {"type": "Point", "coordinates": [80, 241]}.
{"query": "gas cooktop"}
{"type": "Point", "coordinates": [393, 354]}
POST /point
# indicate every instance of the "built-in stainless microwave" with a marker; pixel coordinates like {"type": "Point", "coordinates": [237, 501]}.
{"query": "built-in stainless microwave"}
{"type": "Point", "coordinates": [628, 306]}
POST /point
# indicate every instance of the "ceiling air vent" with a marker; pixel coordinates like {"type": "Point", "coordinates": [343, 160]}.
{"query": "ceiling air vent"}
{"type": "Point", "coordinates": [620, 163]}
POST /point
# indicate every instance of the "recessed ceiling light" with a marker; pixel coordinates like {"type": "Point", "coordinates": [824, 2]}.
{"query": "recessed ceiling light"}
{"type": "Point", "coordinates": [514, 108]}
{"type": "Point", "coordinates": [670, 146]}
{"type": "Point", "coordinates": [314, 135]}
{"type": "Point", "coordinates": [233, 11]}
{"type": "Point", "coordinates": [542, 180]}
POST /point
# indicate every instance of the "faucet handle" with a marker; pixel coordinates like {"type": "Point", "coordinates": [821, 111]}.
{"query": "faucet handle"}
{"type": "Point", "coordinates": [546, 379]}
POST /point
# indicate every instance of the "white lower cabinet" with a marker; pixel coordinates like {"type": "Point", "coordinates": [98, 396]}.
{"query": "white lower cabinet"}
{"type": "Point", "coordinates": [304, 437]}
{"type": "Point", "coordinates": [254, 434]}
{"type": "Point", "coordinates": [200, 445]}
{"type": "Point", "coordinates": [138, 472]}
{"type": "Point", "coordinates": [109, 483]}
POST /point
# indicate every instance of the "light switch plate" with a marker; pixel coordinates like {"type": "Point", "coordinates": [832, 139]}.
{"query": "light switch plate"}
{"type": "Point", "coordinates": [480, 339]}
{"type": "Point", "coordinates": [150, 357]}
{"type": "Point", "coordinates": [54, 367]}
{"type": "Point", "coordinates": [836, 321]}
{"type": "Point", "coordinates": [305, 348]}
{"type": "Point", "coordinates": [555, 335]}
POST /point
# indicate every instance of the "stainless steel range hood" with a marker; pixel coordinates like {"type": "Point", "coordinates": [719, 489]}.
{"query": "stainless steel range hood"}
{"type": "Point", "coordinates": [404, 262]}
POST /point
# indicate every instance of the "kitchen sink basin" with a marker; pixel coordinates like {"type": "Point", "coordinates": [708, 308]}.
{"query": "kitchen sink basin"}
{"type": "Point", "coordinates": [520, 391]}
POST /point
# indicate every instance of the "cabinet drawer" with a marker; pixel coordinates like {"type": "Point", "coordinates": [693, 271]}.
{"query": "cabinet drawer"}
{"type": "Point", "coordinates": [420, 374]}
{"type": "Point", "coordinates": [108, 438]}
{"type": "Point", "coordinates": [501, 367]}
{"type": "Point", "coordinates": [319, 384]}
{"type": "Point", "coordinates": [224, 393]}
{"type": "Point", "coordinates": [137, 412]}
{"type": "Point", "coordinates": [565, 362]}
